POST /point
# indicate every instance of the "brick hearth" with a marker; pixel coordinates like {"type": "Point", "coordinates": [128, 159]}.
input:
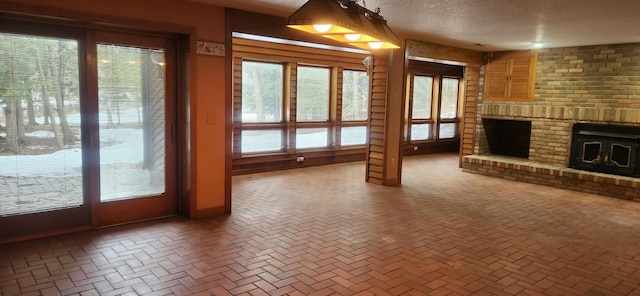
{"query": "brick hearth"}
{"type": "Point", "coordinates": [518, 169]}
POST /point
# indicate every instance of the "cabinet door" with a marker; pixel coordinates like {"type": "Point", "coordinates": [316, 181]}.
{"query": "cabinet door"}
{"type": "Point", "coordinates": [496, 83]}
{"type": "Point", "coordinates": [522, 77]}
{"type": "Point", "coordinates": [510, 76]}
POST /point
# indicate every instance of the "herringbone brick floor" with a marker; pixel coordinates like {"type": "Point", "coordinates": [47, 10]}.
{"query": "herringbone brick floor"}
{"type": "Point", "coordinates": [324, 231]}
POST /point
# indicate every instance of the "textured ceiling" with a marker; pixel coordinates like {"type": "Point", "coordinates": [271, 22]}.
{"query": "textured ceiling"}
{"type": "Point", "coordinates": [496, 24]}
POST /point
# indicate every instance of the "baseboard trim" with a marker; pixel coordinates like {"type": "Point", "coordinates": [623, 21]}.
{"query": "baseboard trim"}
{"type": "Point", "coordinates": [209, 212]}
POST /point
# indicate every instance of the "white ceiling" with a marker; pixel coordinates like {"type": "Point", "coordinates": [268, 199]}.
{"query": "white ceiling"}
{"type": "Point", "coordinates": [496, 24]}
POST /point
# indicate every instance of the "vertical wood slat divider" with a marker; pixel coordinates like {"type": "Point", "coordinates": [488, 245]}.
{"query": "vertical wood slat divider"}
{"type": "Point", "coordinates": [292, 106]}
{"type": "Point", "coordinates": [337, 120]}
{"type": "Point", "coordinates": [237, 106]}
{"type": "Point", "coordinates": [377, 116]}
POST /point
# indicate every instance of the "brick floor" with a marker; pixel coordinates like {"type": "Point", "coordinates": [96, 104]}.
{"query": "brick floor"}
{"type": "Point", "coordinates": [324, 231]}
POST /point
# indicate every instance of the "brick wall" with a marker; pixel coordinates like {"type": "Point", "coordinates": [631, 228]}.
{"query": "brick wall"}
{"type": "Point", "coordinates": [550, 141]}
{"type": "Point", "coordinates": [599, 84]}
{"type": "Point", "coordinates": [605, 76]}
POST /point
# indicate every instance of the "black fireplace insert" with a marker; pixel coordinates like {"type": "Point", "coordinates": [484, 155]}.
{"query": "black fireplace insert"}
{"type": "Point", "coordinates": [610, 149]}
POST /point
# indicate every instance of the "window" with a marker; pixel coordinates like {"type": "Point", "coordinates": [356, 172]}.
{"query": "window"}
{"type": "Point", "coordinates": [432, 112]}
{"type": "Point", "coordinates": [448, 108]}
{"type": "Point", "coordinates": [312, 105]}
{"type": "Point", "coordinates": [296, 100]}
{"type": "Point", "coordinates": [449, 98]}
{"type": "Point", "coordinates": [261, 140]}
{"type": "Point", "coordinates": [262, 112]}
{"type": "Point", "coordinates": [311, 137]}
{"type": "Point", "coordinates": [261, 92]}
{"type": "Point", "coordinates": [355, 107]}
{"type": "Point", "coordinates": [355, 95]}
{"type": "Point", "coordinates": [422, 96]}
{"type": "Point", "coordinates": [353, 135]}
{"type": "Point", "coordinates": [313, 94]}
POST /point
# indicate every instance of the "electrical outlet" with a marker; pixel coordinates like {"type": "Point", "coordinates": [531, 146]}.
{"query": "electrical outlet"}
{"type": "Point", "coordinates": [300, 158]}
{"type": "Point", "coordinates": [415, 148]}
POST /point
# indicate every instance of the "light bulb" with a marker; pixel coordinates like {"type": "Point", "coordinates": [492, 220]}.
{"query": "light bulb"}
{"type": "Point", "coordinates": [322, 28]}
{"type": "Point", "coordinates": [352, 37]}
{"type": "Point", "coordinates": [376, 45]}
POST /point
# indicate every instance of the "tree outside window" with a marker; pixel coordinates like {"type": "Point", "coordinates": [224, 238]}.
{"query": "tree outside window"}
{"type": "Point", "coordinates": [262, 100]}
{"type": "Point", "coordinates": [316, 117]}
{"type": "Point", "coordinates": [355, 107]}
{"type": "Point", "coordinates": [448, 108]}
{"type": "Point", "coordinates": [261, 92]}
{"type": "Point", "coordinates": [312, 105]}
{"type": "Point", "coordinates": [313, 94]}
{"type": "Point", "coordinates": [421, 107]}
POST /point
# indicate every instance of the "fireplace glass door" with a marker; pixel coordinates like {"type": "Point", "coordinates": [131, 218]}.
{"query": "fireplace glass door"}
{"type": "Point", "coordinates": [620, 155]}
{"type": "Point", "coordinates": [591, 152]}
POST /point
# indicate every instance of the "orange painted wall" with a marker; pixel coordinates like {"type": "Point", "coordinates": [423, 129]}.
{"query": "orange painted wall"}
{"type": "Point", "coordinates": [207, 73]}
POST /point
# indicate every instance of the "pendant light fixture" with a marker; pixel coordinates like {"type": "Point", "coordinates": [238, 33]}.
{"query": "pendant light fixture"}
{"type": "Point", "coordinates": [344, 21]}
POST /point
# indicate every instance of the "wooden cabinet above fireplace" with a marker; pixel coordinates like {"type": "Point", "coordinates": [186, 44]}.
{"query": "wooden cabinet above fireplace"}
{"type": "Point", "coordinates": [510, 76]}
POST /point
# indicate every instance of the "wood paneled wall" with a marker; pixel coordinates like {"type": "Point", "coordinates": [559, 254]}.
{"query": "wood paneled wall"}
{"type": "Point", "coordinates": [278, 52]}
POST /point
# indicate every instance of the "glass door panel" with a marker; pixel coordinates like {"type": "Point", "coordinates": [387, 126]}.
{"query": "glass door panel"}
{"type": "Point", "coordinates": [136, 103]}
{"type": "Point", "coordinates": [132, 121]}
{"type": "Point", "coordinates": [40, 141]}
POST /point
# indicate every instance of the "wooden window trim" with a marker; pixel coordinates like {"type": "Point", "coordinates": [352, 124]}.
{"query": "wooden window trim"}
{"type": "Point", "coordinates": [259, 126]}
{"type": "Point", "coordinates": [354, 123]}
{"type": "Point", "coordinates": [436, 101]}
{"type": "Point", "coordinates": [434, 89]}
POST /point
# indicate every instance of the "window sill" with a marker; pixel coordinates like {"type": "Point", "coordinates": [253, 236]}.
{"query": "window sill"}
{"type": "Point", "coordinates": [254, 163]}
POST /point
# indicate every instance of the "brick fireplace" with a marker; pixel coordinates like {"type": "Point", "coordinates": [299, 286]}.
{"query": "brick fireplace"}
{"type": "Point", "coordinates": [591, 84]}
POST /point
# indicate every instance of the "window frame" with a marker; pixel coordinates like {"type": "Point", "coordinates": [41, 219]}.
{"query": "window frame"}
{"type": "Point", "coordinates": [410, 121]}
{"type": "Point", "coordinates": [330, 111]}
{"type": "Point", "coordinates": [353, 123]}
{"type": "Point", "coordinates": [436, 103]}
{"type": "Point", "coordinates": [456, 119]}
{"type": "Point", "coordinates": [256, 126]}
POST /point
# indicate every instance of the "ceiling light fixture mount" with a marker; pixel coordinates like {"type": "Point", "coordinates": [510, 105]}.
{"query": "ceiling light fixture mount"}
{"type": "Point", "coordinates": [344, 21]}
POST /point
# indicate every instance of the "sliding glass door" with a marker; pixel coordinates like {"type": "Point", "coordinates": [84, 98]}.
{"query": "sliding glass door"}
{"type": "Point", "coordinates": [86, 129]}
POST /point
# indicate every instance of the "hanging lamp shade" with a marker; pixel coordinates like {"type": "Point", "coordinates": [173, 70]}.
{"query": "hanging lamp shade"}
{"type": "Point", "coordinates": [344, 21]}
